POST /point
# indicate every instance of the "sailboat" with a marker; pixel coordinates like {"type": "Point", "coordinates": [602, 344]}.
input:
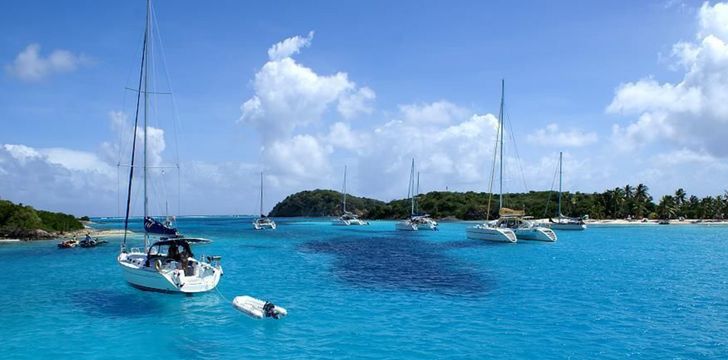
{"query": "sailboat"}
{"type": "Point", "coordinates": [564, 222]}
{"type": "Point", "coordinates": [415, 221]}
{"type": "Point", "coordinates": [263, 222]}
{"type": "Point", "coordinates": [167, 265]}
{"type": "Point", "coordinates": [511, 225]}
{"type": "Point", "coordinates": [347, 218]}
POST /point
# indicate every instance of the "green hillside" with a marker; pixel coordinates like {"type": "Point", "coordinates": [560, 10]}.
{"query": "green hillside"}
{"type": "Point", "coordinates": [616, 203]}
{"type": "Point", "coordinates": [22, 221]}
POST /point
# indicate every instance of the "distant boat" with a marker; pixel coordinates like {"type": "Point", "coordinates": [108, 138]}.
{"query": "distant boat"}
{"type": "Point", "coordinates": [263, 222]}
{"type": "Point", "coordinates": [511, 225]}
{"type": "Point", "coordinates": [416, 221]}
{"type": "Point", "coordinates": [68, 244]}
{"type": "Point", "coordinates": [168, 265]}
{"type": "Point", "coordinates": [347, 218]}
{"type": "Point", "coordinates": [664, 222]}
{"type": "Point", "coordinates": [88, 242]}
{"type": "Point", "coordinates": [564, 222]}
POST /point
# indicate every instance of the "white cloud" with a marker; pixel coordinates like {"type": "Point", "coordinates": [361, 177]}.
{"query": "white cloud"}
{"type": "Point", "coordinates": [357, 102]}
{"type": "Point", "coordinates": [450, 147]}
{"type": "Point", "coordinates": [299, 161]}
{"type": "Point", "coordinates": [289, 95]}
{"type": "Point", "coordinates": [342, 136]}
{"type": "Point", "coordinates": [437, 113]}
{"type": "Point", "coordinates": [56, 178]}
{"type": "Point", "coordinates": [555, 137]}
{"type": "Point", "coordinates": [290, 46]}
{"type": "Point", "coordinates": [31, 66]}
{"type": "Point", "coordinates": [114, 152]}
{"type": "Point", "coordinates": [288, 98]}
{"type": "Point", "coordinates": [693, 112]}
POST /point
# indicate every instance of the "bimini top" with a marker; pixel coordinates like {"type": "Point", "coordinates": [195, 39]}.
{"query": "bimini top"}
{"type": "Point", "coordinates": [506, 212]}
{"type": "Point", "coordinates": [175, 242]}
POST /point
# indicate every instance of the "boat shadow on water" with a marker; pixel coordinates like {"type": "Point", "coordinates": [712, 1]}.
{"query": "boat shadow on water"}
{"type": "Point", "coordinates": [115, 303]}
{"type": "Point", "coordinates": [401, 263]}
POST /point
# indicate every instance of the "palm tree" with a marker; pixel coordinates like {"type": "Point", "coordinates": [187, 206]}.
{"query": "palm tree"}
{"type": "Point", "coordinates": [618, 201]}
{"type": "Point", "coordinates": [629, 204]}
{"type": "Point", "coordinates": [680, 196]}
{"type": "Point", "coordinates": [642, 197]}
{"type": "Point", "coordinates": [667, 207]}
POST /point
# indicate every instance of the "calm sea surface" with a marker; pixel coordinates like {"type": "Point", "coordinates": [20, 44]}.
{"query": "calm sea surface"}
{"type": "Point", "coordinates": [371, 292]}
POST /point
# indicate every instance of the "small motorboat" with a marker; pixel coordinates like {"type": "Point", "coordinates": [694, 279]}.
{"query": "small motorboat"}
{"type": "Point", "coordinates": [67, 244]}
{"type": "Point", "coordinates": [88, 242]}
{"type": "Point", "coordinates": [258, 309]}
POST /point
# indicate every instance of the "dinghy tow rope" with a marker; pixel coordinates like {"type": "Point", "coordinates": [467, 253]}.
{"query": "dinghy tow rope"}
{"type": "Point", "coordinates": [221, 295]}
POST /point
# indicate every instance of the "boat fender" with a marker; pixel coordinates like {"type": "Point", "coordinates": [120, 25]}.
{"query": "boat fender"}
{"type": "Point", "coordinates": [158, 265]}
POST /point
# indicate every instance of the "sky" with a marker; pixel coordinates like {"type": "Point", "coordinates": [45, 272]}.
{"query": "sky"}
{"type": "Point", "coordinates": [630, 92]}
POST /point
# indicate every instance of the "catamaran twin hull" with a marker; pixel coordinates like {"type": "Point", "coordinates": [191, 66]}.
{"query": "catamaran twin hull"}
{"type": "Point", "coordinates": [166, 277]}
{"type": "Point", "coordinates": [261, 225]}
{"type": "Point", "coordinates": [537, 233]}
{"type": "Point", "coordinates": [348, 222]}
{"type": "Point", "coordinates": [409, 225]}
{"type": "Point", "coordinates": [488, 233]}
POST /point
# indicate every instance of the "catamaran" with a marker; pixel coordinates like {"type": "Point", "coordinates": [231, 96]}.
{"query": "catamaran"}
{"type": "Point", "coordinates": [263, 222]}
{"type": "Point", "coordinates": [347, 218]}
{"type": "Point", "coordinates": [511, 225]}
{"type": "Point", "coordinates": [167, 265]}
{"type": "Point", "coordinates": [564, 222]}
{"type": "Point", "coordinates": [416, 221]}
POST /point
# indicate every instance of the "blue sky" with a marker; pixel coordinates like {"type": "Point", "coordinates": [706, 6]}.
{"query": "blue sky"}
{"type": "Point", "coordinates": [601, 81]}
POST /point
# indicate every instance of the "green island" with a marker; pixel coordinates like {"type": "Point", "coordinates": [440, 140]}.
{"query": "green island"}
{"type": "Point", "coordinates": [23, 222]}
{"type": "Point", "coordinates": [619, 203]}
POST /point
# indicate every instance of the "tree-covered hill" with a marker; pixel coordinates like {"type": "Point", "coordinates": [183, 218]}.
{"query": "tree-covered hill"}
{"type": "Point", "coordinates": [21, 221]}
{"type": "Point", "coordinates": [322, 203]}
{"type": "Point", "coordinates": [617, 203]}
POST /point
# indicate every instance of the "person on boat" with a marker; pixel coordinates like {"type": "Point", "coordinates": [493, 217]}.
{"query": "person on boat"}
{"type": "Point", "coordinates": [173, 254]}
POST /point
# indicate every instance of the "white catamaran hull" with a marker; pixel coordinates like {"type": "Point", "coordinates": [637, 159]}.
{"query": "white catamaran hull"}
{"type": "Point", "coordinates": [167, 279]}
{"type": "Point", "coordinates": [489, 233]}
{"type": "Point", "coordinates": [406, 226]}
{"type": "Point", "coordinates": [349, 222]}
{"type": "Point", "coordinates": [271, 226]}
{"type": "Point", "coordinates": [535, 233]}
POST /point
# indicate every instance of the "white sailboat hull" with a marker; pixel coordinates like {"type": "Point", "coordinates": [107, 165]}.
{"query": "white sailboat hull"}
{"type": "Point", "coordinates": [489, 233]}
{"type": "Point", "coordinates": [167, 278]}
{"type": "Point", "coordinates": [567, 226]}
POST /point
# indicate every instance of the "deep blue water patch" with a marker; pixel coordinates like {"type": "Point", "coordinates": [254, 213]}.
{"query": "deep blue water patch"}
{"type": "Point", "coordinates": [406, 262]}
{"type": "Point", "coordinates": [117, 303]}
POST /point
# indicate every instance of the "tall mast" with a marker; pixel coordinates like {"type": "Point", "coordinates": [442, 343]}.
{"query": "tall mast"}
{"type": "Point", "coordinates": [146, 109]}
{"type": "Point", "coordinates": [560, 156]}
{"type": "Point", "coordinates": [261, 194]}
{"type": "Point", "coordinates": [412, 180]}
{"type": "Point", "coordinates": [344, 189]}
{"type": "Point", "coordinates": [500, 118]}
{"type": "Point", "coordinates": [136, 127]}
{"type": "Point", "coordinates": [417, 188]}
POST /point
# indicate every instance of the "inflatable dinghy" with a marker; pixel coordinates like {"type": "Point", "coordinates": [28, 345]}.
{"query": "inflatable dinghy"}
{"type": "Point", "coordinates": [258, 309]}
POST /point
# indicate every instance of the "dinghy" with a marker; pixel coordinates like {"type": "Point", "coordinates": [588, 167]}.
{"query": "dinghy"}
{"type": "Point", "coordinates": [258, 309]}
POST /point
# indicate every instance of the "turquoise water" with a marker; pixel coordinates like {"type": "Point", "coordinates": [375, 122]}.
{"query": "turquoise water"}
{"type": "Point", "coordinates": [371, 292]}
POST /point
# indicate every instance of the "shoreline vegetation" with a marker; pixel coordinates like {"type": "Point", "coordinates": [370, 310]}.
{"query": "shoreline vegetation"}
{"type": "Point", "coordinates": [18, 221]}
{"type": "Point", "coordinates": [627, 205]}
{"type": "Point", "coordinates": [619, 206]}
